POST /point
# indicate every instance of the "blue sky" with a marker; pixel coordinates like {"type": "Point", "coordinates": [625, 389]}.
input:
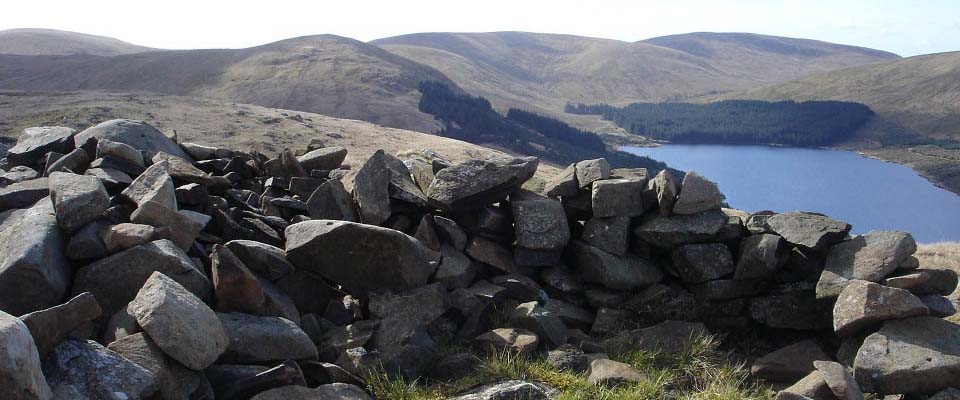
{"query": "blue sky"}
{"type": "Point", "coordinates": [904, 27]}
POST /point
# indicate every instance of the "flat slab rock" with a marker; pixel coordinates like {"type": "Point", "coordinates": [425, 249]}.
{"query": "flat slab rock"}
{"type": "Point", "coordinates": [475, 184]}
{"type": "Point", "coordinates": [913, 355]}
{"type": "Point", "coordinates": [810, 231]}
{"type": "Point", "coordinates": [789, 364]}
{"type": "Point", "coordinates": [869, 257]}
{"type": "Point", "coordinates": [514, 389]}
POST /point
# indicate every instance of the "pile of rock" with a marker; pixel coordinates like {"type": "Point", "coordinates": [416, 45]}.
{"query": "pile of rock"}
{"type": "Point", "coordinates": [145, 268]}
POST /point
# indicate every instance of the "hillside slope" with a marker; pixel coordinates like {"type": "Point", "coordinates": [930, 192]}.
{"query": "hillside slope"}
{"type": "Point", "coordinates": [323, 74]}
{"type": "Point", "coordinates": [919, 94]}
{"type": "Point", "coordinates": [545, 71]}
{"type": "Point", "coordinates": [36, 42]}
{"type": "Point", "coordinates": [225, 124]}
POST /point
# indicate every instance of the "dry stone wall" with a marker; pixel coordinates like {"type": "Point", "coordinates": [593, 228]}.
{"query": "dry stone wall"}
{"type": "Point", "coordinates": [154, 269]}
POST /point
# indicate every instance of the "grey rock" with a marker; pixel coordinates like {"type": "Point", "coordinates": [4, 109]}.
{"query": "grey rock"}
{"type": "Point", "coordinates": [34, 272]}
{"type": "Point", "coordinates": [563, 184]}
{"type": "Point", "coordinates": [617, 198]}
{"type": "Point", "coordinates": [697, 194]}
{"type": "Point", "coordinates": [571, 314]}
{"type": "Point", "coordinates": [176, 382]}
{"type": "Point", "coordinates": [179, 322]}
{"type": "Point", "coordinates": [862, 304]}
{"type": "Point", "coordinates": [726, 289]}
{"type": "Point", "coordinates": [924, 281]}
{"type": "Point", "coordinates": [137, 134]}
{"type": "Point", "coordinates": [181, 228]}
{"type": "Point", "coordinates": [117, 279]}
{"type": "Point", "coordinates": [121, 151]}
{"type": "Point", "coordinates": [17, 174]}
{"type": "Point", "coordinates": [761, 256]}
{"type": "Point", "coordinates": [698, 263]}
{"type": "Point", "coordinates": [112, 179]}
{"type": "Point", "coordinates": [338, 391]}
{"type": "Point", "coordinates": [51, 326]}
{"type": "Point", "coordinates": [326, 247]}
{"type": "Point", "coordinates": [540, 224]}
{"type": "Point", "coordinates": [404, 317]}
{"type": "Point", "coordinates": [620, 273]}
{"type": "Point", "coordinates": [790, 309]}
{"type": "Point", "coordinates": [569, 359]}
{"type": "Point", "coordinates": [40, 140]}
{"type": "Point", "coordinates": [475, 184]}
{"type": "Point", "coordinates": [323, 158]}
{"type": "Point", "coordinates": [20, 373]}
{"type": "Point", "coordinates": [75, 161]}
{"type": "Point", "coordinates": [331, 201]}
{"type": "Point", "coordinates": [589, 171]}
{"type": "Point", "coordinates": [670, 232]}
{"type": "Point", "coordinates": [126, 235]}
{"type": "Point", "coordinates": [255, 339]}
{"type": "Point", "coordinates": [337, 340]}
{"type": "Point", "coordinates": [491, 253]}
{"type": "Point", "coordinates": [235, 288]}
{"type": "Point", "coordinates": [154, 184]}
{"type": "Point", "coordinates": [608, 234]}
{"type": "Point", "coordinates": [450, 233]}
{"type": "Point", "coordinates": [870, 257]}
{"type": "Point", "coordinates": [77, 199]}
{"type": "Point", "coordinates": [946, 394]}
{"type": "Point", "coordinates": [266, 260]}
{"type": "Point", "coordinates": [456, 366]}
{"type": "Point", "coordinates": [840, 380]}
{"type": "Point", "coordinates": [455, 270]}
{"type": "Point", "coordinates": [612, 373]}
{"type": "Point", "coordinates": [513, 340]}
{"type": "Point", "coordinates": [913, 355]}
{"type": "Point", "coordinates": [789, 364]}
{"type": "Point", "coordinates": [85, 370]}
{"type": "Point", "coordinates": [662, 192]}
{"type": "Point", "coordinates": [810, 231]}
{"type": "Point", "coordinates": [371, 189]}
{"type": "Point", "coordinates": [402, 187]}
{"type": "Point", "coordinates": [811, 386]}
{"type": "Point", "coordinates": [510, 390]}
{"type": "Point", "coordinates": [23, 194]}
{"type": "Point", "coordinates": [669, 336]}
{"type": "Point", "coordinates": [540, 320]}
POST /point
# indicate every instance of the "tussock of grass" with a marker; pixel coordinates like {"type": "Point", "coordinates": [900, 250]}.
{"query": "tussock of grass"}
{"type": "Point", "coordinates": [698, 371]}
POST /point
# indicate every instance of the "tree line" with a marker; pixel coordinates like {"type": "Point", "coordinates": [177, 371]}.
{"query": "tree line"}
{"type": "Point", "coordinates": [809, 123]}
{"type": "Point", "coordinates": [473, 119]}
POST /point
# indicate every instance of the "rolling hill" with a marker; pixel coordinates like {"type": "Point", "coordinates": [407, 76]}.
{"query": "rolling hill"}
{"type": "Point", "coordinates": [45, 42]}
{"type": "Point", "coordinates": [323, 74]}
{"type": "Point", "coordinates": [545, 71]}
{"type": "Point", "coordinates": [915, 96]}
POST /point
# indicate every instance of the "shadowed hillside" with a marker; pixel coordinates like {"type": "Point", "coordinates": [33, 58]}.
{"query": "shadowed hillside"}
{"type": "Point", "coordinates": [323, 74]}
{"type": "Point", "coordinates": [36, 42]}
{"type": "Point", "coordinates": [545, 71]}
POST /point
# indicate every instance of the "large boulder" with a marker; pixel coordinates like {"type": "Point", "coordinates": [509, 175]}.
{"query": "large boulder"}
{"type": "Point", "coordinates": [608, 234]}
{"type": "Point", "coordinates": [913, 355]}
{"type": "Point", "coordinates": [862, 304]}
{"type": "Point", "coordinates": [697, 194]}
{"type": "Point", "coordinates": [77, 199]}
{"type": "Point", "coordinates": [809, 231]}
{"type": "Point", "coordinates": [589, 171]}
{"type": "Point", "coordinates": [85, 370]}
{"type": "Point", "coordinates": [870, 257]}
{"type": "Point", "coordinates": [255, 339]}
{"type": "Point", "coordinates": [180, 323]}
{"type": "Point", "coordinates": [117, 279]}
{"type": "Point", "coordinates": [40, 140]}
{"type": "Point", "coordinates": [475, 184]}
{"type": "Point", "coordinates": [360, 257]}
{"type": "Point", "coordinates": [612, 271]}
{"type": "Point", "coordinates": [541, 228]}
{"type": "Point", "coordinates": [176, 381]}
{"type": "Point", "coordinates": [137, 134]}
{"type": "Point", "coordinates": [332, 201]}
{"type": "Point", "coordinates": [235, 288]}
{"type": "Point", "coordinates": [698, 263]}
{"type": "Point", "coordinates": [268, 261]}
{"type": "Point", "coordinates": [20, 373]}
{"type": "Point", "coordinates": [34, 272]}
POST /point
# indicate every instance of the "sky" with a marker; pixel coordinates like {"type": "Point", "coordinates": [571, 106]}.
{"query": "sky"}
{"type": "Point", "coordinates": [905, 27]}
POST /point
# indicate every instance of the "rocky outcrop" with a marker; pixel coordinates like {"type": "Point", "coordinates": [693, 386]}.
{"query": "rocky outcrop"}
{"type": "Point", "coordinates": [242, 275]}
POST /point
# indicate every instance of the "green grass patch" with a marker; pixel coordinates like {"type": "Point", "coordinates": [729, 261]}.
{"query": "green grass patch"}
{"type": "Point", "coordinates": [698, 371]}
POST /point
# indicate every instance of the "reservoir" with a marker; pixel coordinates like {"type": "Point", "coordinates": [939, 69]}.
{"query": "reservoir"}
{"type": "Point", "coordinates": [866, 193]}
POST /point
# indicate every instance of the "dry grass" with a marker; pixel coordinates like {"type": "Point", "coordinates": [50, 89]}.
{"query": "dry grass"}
{"type": "Point", "coordinates": [699, 371]}
{"type": "Point", "coordinates": [942, 255]}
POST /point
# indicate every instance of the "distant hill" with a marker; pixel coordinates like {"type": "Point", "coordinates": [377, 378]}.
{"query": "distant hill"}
{"type": "Point", "coordinates": [47, 42]}
{"type": "Point", "coordinates": [545, 71]}
{"type": "Point", "coordinates": [911, 96]}
{"type": "Point", "coordinates": [323, 74]}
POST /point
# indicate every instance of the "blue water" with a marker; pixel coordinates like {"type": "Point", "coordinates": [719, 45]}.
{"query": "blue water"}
{"type": "Point", "coordinates": [867, 193]}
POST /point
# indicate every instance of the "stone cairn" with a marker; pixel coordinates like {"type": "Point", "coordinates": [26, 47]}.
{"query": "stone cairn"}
{"type": "Point", "coordinates": [143, 268]}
